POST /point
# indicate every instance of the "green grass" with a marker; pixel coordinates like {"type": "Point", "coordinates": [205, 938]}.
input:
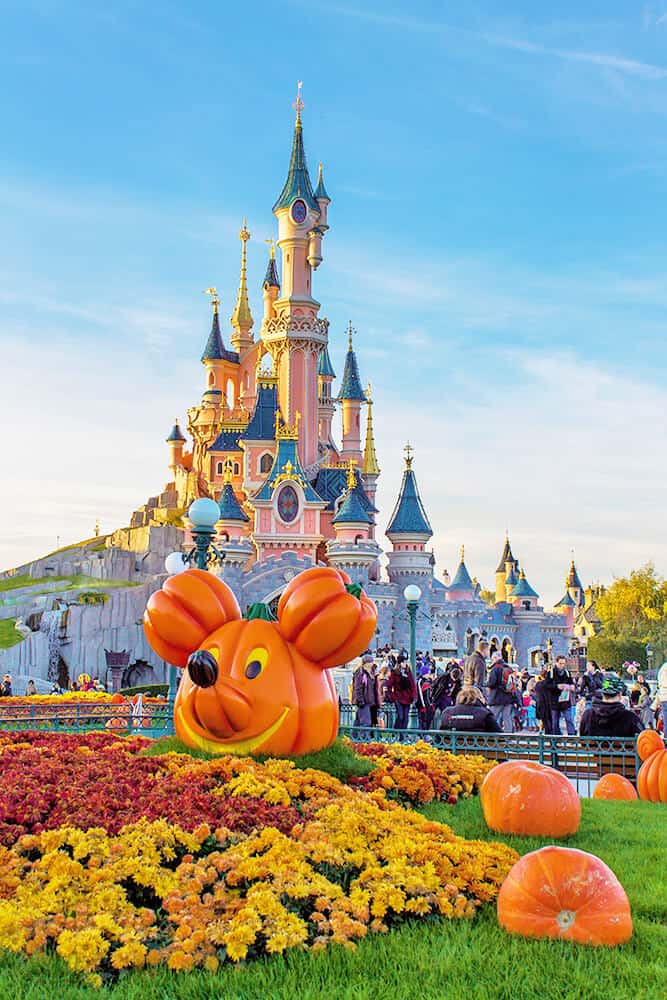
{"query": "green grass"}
{"type": "Point", "coordinates": [8, 635]}
{"type": "Point", "coordinates": [339, 759]}
{"type": "Point", "coordinates": [437, 960]}
{"type": "Point", "coordinates": [65, 583]}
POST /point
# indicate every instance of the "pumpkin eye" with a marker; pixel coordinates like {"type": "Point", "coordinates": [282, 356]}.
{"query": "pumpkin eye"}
{"type": "Point", "coordinates": [256, 662]}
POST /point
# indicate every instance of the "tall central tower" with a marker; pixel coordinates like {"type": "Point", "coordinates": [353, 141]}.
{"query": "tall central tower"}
{"type": "Point", "coordinates": [295, 335]}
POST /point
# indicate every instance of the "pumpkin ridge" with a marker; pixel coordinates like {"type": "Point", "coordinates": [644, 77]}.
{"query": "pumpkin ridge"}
{"type": "Point", "coordinates": [518, 886]}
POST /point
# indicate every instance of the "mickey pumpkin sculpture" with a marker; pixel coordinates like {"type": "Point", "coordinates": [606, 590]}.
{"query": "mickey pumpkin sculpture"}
{"type": "Point", "coordinates": [255, 684]}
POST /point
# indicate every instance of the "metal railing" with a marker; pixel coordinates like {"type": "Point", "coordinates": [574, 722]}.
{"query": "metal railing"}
{"type": "Point", "coordinates": [582, 759]}
{"type": "Point", "coordinates": [85, 717]}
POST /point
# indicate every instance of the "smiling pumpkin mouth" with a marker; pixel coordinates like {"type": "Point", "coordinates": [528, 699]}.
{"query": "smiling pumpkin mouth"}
{"type": "Point", "coordinates": [244, 746]}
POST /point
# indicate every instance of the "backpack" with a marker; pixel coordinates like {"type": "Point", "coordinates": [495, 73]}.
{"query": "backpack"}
{"type": "Point", "coordinates": [439, 688]}
{"type": "Point", "coordinates": [509, 681]}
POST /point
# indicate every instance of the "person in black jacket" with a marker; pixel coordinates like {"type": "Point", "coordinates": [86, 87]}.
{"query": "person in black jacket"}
{"type": "Point", "coordinates": [609, 717]}
{"type": "Point", "coordinates": [590, 684]}
{"type": "Point", "coordinates": [502, 693]}
{"type": "Point", "coordinates": [469, 714]}
{"type": "Point", "coordinates": [560, 688]}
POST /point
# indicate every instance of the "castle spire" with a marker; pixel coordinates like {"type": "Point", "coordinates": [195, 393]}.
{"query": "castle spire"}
{"type": "Point", "coordinates": [351, 384]}
{"type": "Point", "coordinates": [241, 318]}
{"type": "Point", "coordinates": [409, 516]}
{"type": "Point", "coordinates": [297, 183]}
{"type": "Point", "coordinates": [215, 348]}
{"type": "Point", "coordinates": [370, 465]}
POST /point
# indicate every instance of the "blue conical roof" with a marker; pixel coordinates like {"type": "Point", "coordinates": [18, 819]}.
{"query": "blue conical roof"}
{"type": "Point", "coordinates": [176, 433]}
{"type": "Point", "coordinates": [409, 517]}
{"type": "Point", "coordinates": [573, 577]}
{"type": "Point", "coordinates": [512, 579]}
{"type": "Point", "coordinates": [351, 511]}
{"type": "Point", "coordinates": [320, 190]}
{"type": "Point", "coordinates": [505, 557]}
{"type": "Point", "coordinates": [227, 440]}
{"type": "Point", "coordinates": [271, 279]}
{"type": "Point", "coordinates": [262, 426]}
{"type": "Point", "coordinates": [297, 184]}
{"type": "Point", "coordinates": [230, 509]}
{"type": "Point", "coordinates": [324, 366]}
{"type": "Point", "coordinates": [215, 349]}
{"type": "Point", "coordinates": [351, 384]}
{"type": "Point", "coordinates": [462, 579]}
{"type": "Point", "coordinates": [523, 588]}
{"type": "Point", "coordinates": [565, 601]}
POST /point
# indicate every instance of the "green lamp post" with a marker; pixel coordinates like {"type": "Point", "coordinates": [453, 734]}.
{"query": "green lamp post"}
{"type": "Point", "coordinates": [412, 594]}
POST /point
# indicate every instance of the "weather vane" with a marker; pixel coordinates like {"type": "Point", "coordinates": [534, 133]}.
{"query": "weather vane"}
{"type": "Point", "coordinates": [408, 451]}
{"type": "Point", "coordinates": [272, 248]}
{"type": "Point", "coordinates": [215, 299]}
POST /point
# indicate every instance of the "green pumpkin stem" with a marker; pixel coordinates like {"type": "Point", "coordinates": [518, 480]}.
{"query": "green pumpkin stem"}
{"type": "Point", "coordinates": [354, 589]}
{"type": "Point", "coordinates": [259, 610]}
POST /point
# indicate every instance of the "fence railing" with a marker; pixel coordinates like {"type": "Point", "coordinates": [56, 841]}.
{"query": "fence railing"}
{"type": "Point", "coordinates": [582, 759]}
{"type": "Point", "coordinates": [84, 717]}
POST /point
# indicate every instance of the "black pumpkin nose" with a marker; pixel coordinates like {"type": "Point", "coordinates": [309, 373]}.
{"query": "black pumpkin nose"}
{"type": "Point", "coordinates": [202, 668]}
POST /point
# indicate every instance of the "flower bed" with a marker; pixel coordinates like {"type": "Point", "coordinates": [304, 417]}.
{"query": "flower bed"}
{"type": "Point", "coordinates": [116, 860]}
{"type": "Point", "coordinates": [420, 773]}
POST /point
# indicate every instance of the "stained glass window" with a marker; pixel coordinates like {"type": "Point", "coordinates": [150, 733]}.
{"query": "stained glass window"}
{"type": "Point", "coordinates": [288, 504]}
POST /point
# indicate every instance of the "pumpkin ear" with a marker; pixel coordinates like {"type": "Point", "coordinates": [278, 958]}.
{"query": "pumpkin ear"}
{"type": "Point", "coordinates": [185, 611]}
{"type": "Point", "coordinates": [328, 619]}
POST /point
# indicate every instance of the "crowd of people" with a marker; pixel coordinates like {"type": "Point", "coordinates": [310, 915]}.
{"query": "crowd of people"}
{"type": "Point", "coordinates": [483, 693]}
{"type": "Point", "coordinates": [85, 683]}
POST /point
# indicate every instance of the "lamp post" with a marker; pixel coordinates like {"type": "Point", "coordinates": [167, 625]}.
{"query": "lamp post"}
{"type": "Point", "coordinates": [649, 656]}
{"type": "Point", "coordinates": [204, 515]}
{"type": "Point", "coordinates": [550, 646]}
{"type": "Point", "coordinates": [412, 593]}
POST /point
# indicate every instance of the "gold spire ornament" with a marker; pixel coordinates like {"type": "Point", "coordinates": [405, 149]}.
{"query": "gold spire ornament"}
{"type": "Point", "coordinates": [241, 318]}
{"type": "Point", "coordinates": [350, 331]}
{"type": "Point", "coordinates": [215, 298]}
{"type": "Point", "coordinates": [272, 248]}
{"type": "Point", "coordinates": [463, 553]}
{"type": "Point", "coordinates": [351, 475]}
{"type": "Point", "coordinates": [228, 470]}
{"type": "Point", "coordinates": [408, 451]}
{"type": "Point", "coordinates": [298, 104]}
{"type": "Point", "coordinates": [370, 465]}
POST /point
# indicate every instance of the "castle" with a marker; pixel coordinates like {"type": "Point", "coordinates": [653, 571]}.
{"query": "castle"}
{"type": "Point", "coordinates": [263, 446]}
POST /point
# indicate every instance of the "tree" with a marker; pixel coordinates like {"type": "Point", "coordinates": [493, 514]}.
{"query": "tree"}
{"type": "Point", "coordinates": [634, 609]}
{"type": "Point", "coordinates": [488, 595]}
{"type": "Point", "coordinates": [611, 654]}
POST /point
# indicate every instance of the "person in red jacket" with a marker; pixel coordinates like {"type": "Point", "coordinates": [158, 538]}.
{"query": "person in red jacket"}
{"type": "Point", "coordinates": [401, 691]}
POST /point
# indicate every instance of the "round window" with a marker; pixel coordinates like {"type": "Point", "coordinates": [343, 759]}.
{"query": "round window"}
{"type": "Point", "coordinates": [299, 211]}
{"type": "Point", "coordinates": [288, 504]}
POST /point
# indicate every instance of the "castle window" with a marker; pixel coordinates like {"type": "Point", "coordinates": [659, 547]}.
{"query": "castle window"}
{"type": "Point", "coordinates": [218, 469]}
{"type": "Point", "coordinates": [211, 378]}
{"type": "Point", "coordinates": [237, 468]}
{"type": "Point", "coordinates": [265, 463]}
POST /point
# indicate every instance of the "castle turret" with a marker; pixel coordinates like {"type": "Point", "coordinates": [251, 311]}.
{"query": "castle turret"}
{"type": "Point", "coordinates": [327, 406]}
{"type": "Point", "coordinates": [354, 551]}
{"type": "Point", "coordinates": [574, 586]}
{"type": "Point", "coordinates": [221, 365]}
{"type": "Point", "coordinates": [502, 570]}
{"type": "Point", "coordinates": [271, 284]}
{"type": "Point", "coordinates": [176, 440]}
{"type": "Point", "coordinates": [295, 335]}
{"type": "Point", "coordinates": [322, 198]}
{"type": "Point", "coordinates": [462, 587]}
{"type": "Point", "coordinates": [523, 595]}
{"type": "Point", "coordinates": [233, 520]}
{"type": "Point", "coordinates": [511, 579]}
{"type": "Point", "coordinates": [409, 530]}
{"type": "Point", "coordinates": [241, 318]}
{"type": "Point", "coordinates": [351, 396]}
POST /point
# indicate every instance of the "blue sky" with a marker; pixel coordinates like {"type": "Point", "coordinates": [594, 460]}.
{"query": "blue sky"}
{"type": "Point", "coordinates": [498, 175]}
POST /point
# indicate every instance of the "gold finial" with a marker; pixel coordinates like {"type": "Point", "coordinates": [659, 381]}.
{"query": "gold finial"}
{"type": "Point", "coordinates": [298, 104]}
{"type": "Point", "coordinates": [272, 248]}
{"type": "Point", "coordinates": [215, 298]}
{"type": "Point", "coordinates": [97, 527]}
{"type": "Point", "coordinates": [241, 318]}
{"type": "Point", "coordinates": [522, 574]}
{"type": "Point", "coordinates": [287, 431]}
{"type": "Point", "coordinates": [351, 476]}
{"type": "Point", "coordinates": [408, 451]}
{"type": "Point", "coordinates": [350, 331]}
{"type": "Point", "coordinates": [370, 466]}
{"type": "Point", "coordinates": [463, 553]}
{"type": "Point", "coordinates": [228, 470]}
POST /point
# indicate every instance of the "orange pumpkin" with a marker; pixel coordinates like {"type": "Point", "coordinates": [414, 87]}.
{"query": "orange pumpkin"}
{"type": "Point", "coordinates": [648, 742]}
{"type": "Point", "coordinates": [560, 892]}
{"type": "Point", "coordinates": [531, 799]}
{"type": "Point", "coordinates": [652, 778]}
{"type": "Point", "coordinates": [258, 685]}
{"type": "Point", "coordinates": [322, 615]}
{"type": "Point", "coordinates": [614, 786]}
